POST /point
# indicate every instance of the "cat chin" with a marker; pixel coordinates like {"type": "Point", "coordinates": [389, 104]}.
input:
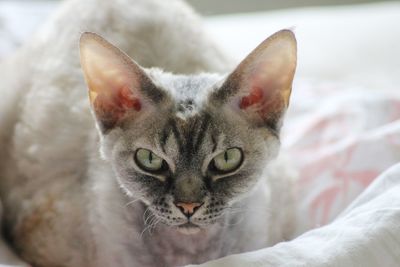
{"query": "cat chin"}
{"type": "Point", "coordinates": [188, 230]}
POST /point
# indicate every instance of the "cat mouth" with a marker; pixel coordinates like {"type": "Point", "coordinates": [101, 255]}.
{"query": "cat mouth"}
{"type": "Point", "coordinates": [188, 228]}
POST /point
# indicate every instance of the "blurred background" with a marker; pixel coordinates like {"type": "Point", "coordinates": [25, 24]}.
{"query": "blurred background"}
{"type": "Point", "coordinates": [354, 41]}
{"type": "Point", "coordinates": [212, 7]}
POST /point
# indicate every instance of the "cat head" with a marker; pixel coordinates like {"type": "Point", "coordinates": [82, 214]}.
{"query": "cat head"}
{"type": "Point", "coordinates": [189, 146]}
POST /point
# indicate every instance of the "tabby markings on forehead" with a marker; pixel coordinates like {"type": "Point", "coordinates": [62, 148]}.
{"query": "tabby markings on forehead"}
{"type": "Point", "coordinates": [189, 134]}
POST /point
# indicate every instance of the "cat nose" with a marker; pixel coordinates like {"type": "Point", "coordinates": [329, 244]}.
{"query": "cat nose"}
{"type": "Point", "coordinates": [188, 208]}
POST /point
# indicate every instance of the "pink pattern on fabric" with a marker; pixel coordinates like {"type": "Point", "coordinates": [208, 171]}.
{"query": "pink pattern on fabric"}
{"type": "Point", "coordinates": [342, 148]}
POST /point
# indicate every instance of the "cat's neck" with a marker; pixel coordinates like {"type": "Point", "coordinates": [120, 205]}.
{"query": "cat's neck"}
{"type": "Point", "coordinates": [174, 248]}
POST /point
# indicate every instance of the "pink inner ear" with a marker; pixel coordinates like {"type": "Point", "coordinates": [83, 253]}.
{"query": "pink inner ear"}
{"type": "Point", "coordinates": [126, 100]}
{"type": "Point", "coordinates": [262, 102]}
{"type": "Point", "coordinates": [114, 107]}
{"type": "Point", "coordinates": [256, 96]}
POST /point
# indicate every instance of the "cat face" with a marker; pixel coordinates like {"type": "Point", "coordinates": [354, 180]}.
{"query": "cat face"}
{"type": "Point", "coordinates": [189, 146]}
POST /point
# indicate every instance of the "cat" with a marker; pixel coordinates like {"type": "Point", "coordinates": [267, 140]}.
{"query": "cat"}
{"type": "Point", "coordinates": [165, 163]}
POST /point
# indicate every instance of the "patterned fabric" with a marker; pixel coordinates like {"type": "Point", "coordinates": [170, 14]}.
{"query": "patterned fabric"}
{"type": "Point", "coordinates": [341, 138]}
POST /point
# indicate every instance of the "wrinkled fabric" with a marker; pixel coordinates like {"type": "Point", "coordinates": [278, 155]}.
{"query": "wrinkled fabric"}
{"type": "Point", "coordinates": [340, 138]}
{"type": "Point", "coordinates": [366, 234]}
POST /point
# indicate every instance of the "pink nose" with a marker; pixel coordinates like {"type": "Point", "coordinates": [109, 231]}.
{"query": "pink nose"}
{"type": "Point", "coordinates": [188, 208]}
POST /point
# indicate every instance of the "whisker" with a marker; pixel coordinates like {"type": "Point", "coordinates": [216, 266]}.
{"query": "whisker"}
{"type": "Point", "coordinates": [144, 230]}
{"type": "Point", "coordinates": [145, 213]}
{"type": "Point", "coordinates": [153, 226]}
{"type": "Point", "coordinates": [131, 202]}
{"type": "Point", "coordinates": [149, 219]}
{"type": "Point", "coordinates": [148, 227]}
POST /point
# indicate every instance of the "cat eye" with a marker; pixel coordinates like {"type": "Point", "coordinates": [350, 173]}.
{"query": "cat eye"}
{"type": "Point", "coordinates": [149, 161]}
{"type": "Point", "coordinates": [227, 161]}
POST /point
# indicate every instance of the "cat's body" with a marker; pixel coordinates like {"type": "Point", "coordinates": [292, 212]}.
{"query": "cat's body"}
{"type": "Point", "coordinates": [63, 205]}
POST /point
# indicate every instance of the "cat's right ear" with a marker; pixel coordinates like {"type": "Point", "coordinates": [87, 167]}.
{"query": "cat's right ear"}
{"type": "Point", "coordinates": [259, 88]}
{"type": "Point", "coordinates": [118, 87]}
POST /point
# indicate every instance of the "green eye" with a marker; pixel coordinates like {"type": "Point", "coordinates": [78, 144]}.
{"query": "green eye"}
{"type": "Point", "coordinates": [228, 160]}
{"type": "Point", "coordinates": [148, 161]}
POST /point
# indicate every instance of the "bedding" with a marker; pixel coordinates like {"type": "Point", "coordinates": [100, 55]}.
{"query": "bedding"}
{"type": "Point", "coordinates": [342, 131]}
{"type": "Point", "coordinates": [366, 234]}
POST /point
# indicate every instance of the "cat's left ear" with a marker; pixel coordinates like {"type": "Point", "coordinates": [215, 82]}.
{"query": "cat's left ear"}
{"type": "Point", "coordinates": [118, 87]}
{"type": "Point", "coordinates": [259, 88]}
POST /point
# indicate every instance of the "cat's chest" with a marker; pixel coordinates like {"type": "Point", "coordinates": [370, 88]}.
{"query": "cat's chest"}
{"type": "Point", "coordinates": [176, 249]}
{"type": "Point", "coordinates": [170, 248]}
